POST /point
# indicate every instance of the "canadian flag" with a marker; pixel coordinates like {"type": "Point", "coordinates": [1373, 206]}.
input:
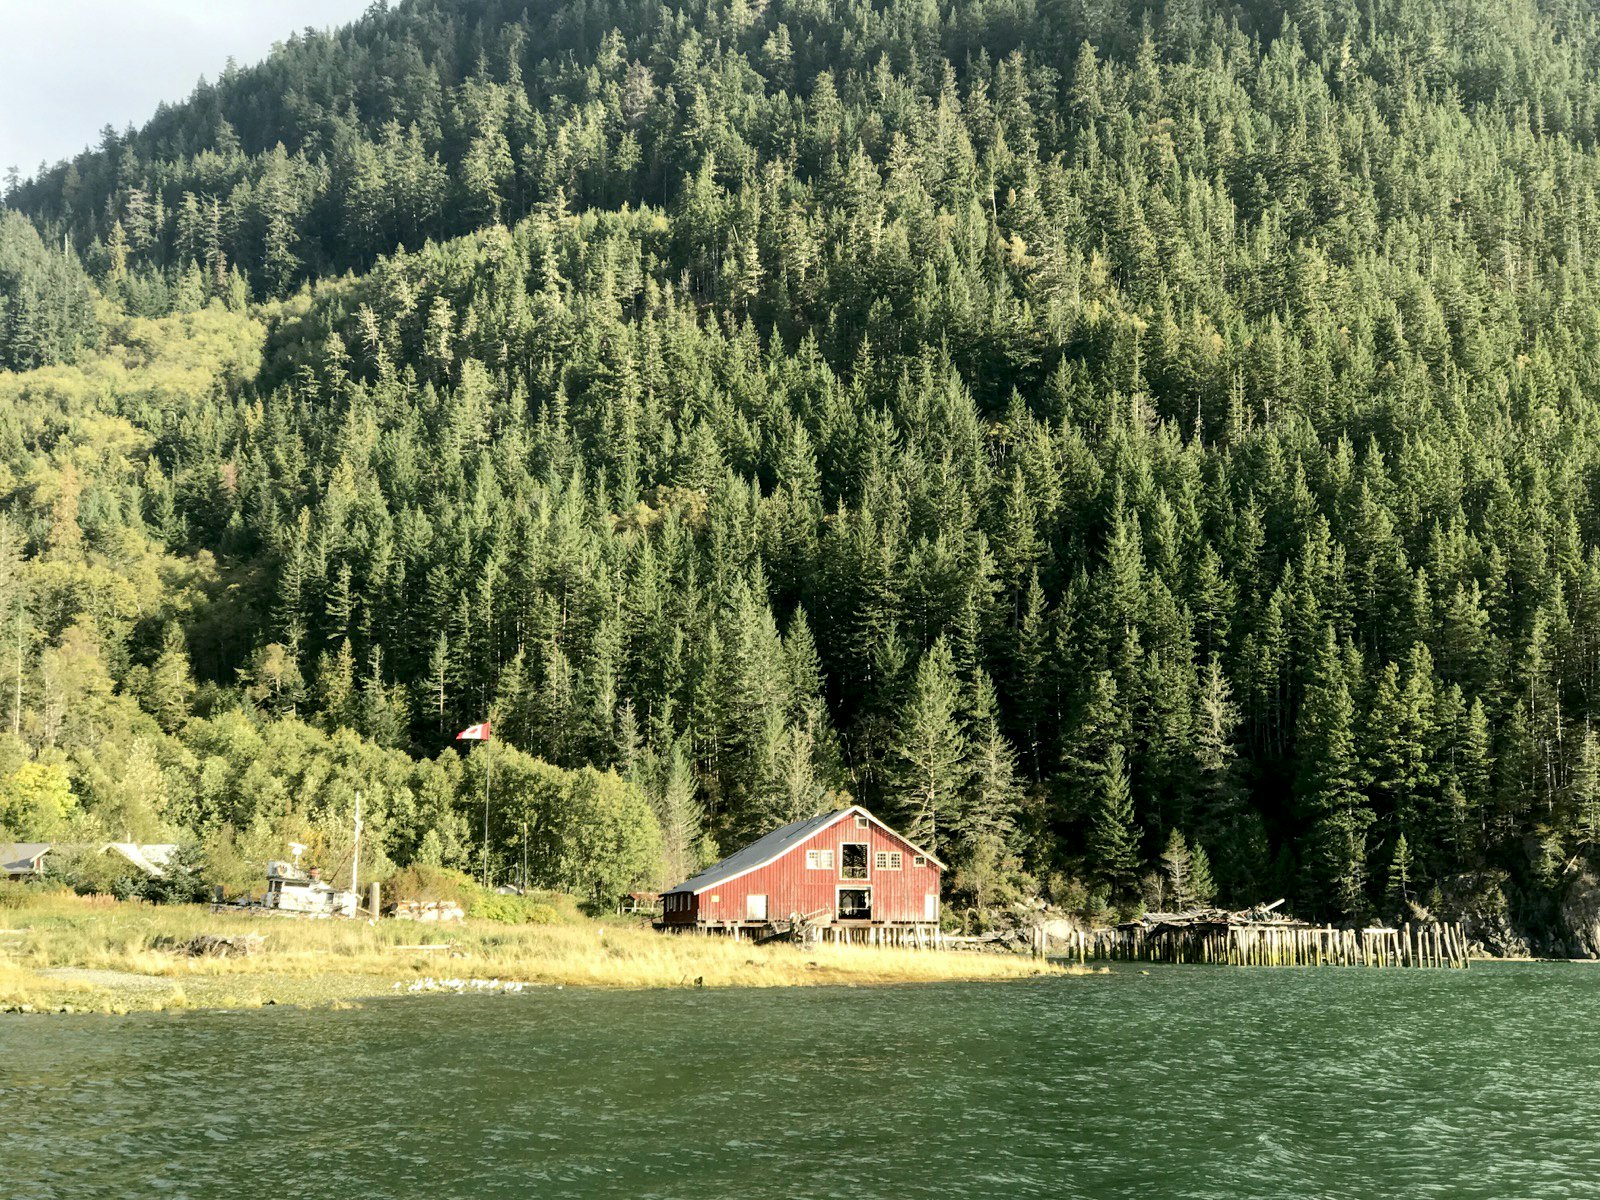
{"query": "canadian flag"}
{"type": "Point", "coordinates": [474, 733]}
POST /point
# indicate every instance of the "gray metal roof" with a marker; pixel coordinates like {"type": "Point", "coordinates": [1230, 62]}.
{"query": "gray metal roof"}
{"type": "Point", "coordinates": [150, 857]}
{"type": "Point", "coordinates": [762, 850]}
{"type": "Point", "coordinates": [21, 858]}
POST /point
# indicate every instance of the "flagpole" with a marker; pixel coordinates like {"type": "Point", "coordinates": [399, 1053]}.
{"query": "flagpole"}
{"type": "Point", "coordinates": [355, 856]}
{"type": "Point", "coordinates": [488, 770]}
{"type": "Point", "coordinates": [483, 735]}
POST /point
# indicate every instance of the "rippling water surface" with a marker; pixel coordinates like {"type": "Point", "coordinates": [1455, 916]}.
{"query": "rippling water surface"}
{"type": "Point", "coordinates": [1196, 1082]}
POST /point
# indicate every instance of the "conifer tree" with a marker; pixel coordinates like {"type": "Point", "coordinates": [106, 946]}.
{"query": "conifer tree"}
{"type": "Point", "coordinates": [1177, 868]}
{"type": "Point", "coordinates": [930, 753]}
{"type": "Point", "coordinates": [1113, 840]}
{"type": "Point", "coordinates": [1201, 883]}
{"type": "Point", "coordinates": [1585, 789]}
{"type": "Point", "coordinates": [989, 809]}
{"type": "Point", "coordinates": [16, 626]}
{"type": "Point", "coordinates": [1329, 797]}
{"type": "Point", "coordinates": [170, 686]}
{"type": "Point", "coordinates": [679, 814]}
{"type": "Point", "coordinates": [1399, 889]}
{"type": "Point", "coordinates": [336, 683]}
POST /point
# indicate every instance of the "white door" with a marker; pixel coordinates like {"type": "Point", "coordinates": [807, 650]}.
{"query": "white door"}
{"type": "Point", "coordinates": [755, 908]}
{"type": "Point", "coordinates": [930, 907]}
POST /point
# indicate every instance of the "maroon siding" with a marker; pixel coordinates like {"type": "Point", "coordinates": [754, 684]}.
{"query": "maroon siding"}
{"type": "Point", "coordinates": [671, 915]}
{"type": "Point", "coordinates": [792, 887]}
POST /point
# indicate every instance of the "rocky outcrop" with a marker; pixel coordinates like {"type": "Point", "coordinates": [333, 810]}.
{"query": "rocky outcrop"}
{"type": "Point", "coordinates": [1580, 915]}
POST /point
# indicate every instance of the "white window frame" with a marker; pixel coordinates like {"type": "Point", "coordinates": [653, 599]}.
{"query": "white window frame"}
{"type": "Point", "coordinates": [819, 860]}
{"type": "Point", "coordinates": [866, 862]}
{"type": "Point", "coordinates": [919, 860]}
{"type": "Point", "coordinates": [887, 860]}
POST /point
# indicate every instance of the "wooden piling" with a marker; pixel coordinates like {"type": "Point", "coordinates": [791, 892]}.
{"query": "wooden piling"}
{"type": "Point", "coordinates": [1265, 943]}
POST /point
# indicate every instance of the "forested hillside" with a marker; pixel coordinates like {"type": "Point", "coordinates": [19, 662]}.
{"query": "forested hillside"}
{"type": "Point", "coordinates": [1079, 432]}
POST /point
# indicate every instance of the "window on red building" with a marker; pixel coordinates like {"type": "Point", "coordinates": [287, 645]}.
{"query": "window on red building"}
{"type": "Point", "coordinates": [853, 860]}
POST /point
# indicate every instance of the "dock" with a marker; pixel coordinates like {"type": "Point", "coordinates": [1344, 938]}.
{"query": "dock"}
{"type": "Point", "coordinates": [1262, 937]}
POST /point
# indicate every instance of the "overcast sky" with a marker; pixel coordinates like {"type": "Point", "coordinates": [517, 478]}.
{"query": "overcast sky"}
{"type": "Point", "coordinates": [70, 67]}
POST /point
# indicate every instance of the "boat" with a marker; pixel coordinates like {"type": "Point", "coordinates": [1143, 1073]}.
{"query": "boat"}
{"type": "Point", "coordinates": [299, 891]}
{"type": "Point", "coordinates": [293, 890]}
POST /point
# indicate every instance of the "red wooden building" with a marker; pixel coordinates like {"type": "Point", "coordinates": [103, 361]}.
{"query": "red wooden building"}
{"type": "Point", "coordinates": [843, 868]}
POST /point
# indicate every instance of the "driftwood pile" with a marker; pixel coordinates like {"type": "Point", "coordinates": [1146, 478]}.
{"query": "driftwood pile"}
{"type": "Point", "coordinates": [429, 912]}
{"type": "Point", "coordinates": [1262, 915]}
{"type": "Point", "coordinates": [796, 927]}
{"type": "Point", "coordinates": [214, 945]}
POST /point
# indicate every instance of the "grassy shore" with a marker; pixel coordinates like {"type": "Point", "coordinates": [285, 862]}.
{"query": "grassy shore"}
{"type": "Point", "coordinates": [95, 954]}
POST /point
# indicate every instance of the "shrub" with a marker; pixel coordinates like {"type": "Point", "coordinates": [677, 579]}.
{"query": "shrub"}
{"type": "Point", "coordinates": [183, 881]}
{"type": "Point", "coordinates": [511, 910]}
{"type": "Point", "coordinates": [421, 881]}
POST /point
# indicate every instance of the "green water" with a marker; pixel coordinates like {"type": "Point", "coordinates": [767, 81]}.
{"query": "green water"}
{"type": "Point", "coordinates": [1196, 1082]}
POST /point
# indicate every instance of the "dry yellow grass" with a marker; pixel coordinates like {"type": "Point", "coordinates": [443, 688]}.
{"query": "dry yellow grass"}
{"type": "Point", "coordinates": [64, 950]}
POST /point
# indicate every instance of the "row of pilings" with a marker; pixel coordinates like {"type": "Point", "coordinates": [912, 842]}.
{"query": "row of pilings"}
{"type": "Point", "coordinates": [1266, 945]}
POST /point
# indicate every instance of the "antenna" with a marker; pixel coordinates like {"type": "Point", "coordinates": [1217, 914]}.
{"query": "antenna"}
{"type": "Point", "coordinates": [355, 855]}
{"type": "Point", "coordinates": [297, 849]}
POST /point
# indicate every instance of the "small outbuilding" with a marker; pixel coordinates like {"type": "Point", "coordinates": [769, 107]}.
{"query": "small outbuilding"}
{"type": "Point", "coordinates": [26, 860]}
{"type": "Point", "coordinates": [22, 860]}
{"type": "Point", "coordinates": [845, 869]}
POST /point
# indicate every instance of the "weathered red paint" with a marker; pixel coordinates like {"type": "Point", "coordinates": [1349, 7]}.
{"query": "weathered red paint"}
{"type": "Point", "coordinates": [898, 896]}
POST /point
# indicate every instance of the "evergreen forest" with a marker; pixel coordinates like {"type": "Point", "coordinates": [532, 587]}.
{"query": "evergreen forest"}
{"type": "Point", "coordinates": [1147, 450]}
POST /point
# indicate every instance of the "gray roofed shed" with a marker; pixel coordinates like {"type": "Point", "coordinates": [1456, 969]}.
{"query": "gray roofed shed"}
{"type": "Point", "coordinates": [22, 858]}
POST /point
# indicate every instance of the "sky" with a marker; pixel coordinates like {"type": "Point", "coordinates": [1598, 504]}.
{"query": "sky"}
{"type": "Point", "coordinates": [70, 67]}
